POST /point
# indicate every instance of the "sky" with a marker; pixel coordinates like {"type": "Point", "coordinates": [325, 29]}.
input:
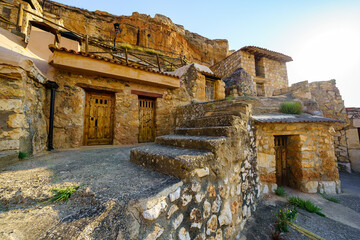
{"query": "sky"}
{"type": "Point", "coordinates": [322, 36]}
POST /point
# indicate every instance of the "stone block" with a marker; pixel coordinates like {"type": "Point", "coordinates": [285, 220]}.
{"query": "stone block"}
{"type": "Point", "coordinates": [17, 121]}
{"type": "Point", "coordinates": [354, 155]}
{"type": "Point", "coordinates": [328, 187]}
{"type": "Point", "coordinates": [310, 187]}
{"type": "Point", "coordinates": [352, 138]}
{"type": "Point", "coordinates": [9, 145]}
{"type": "Point", "coordinates": [154, 212]}
{"type": "Point", "coordinates": [11, 105]}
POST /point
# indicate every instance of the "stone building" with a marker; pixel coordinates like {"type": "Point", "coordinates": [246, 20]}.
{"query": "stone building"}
{"type": "Point", "coordinates": [224, 152]}
{"type": "Point", "coordinates": [268, 68]}
{"type": "Point", "coordinates": [294, 150]}
{"type": "Point", "coordinates": [353, 138]}
{"type": "Point", "coordinates": [102, 101]}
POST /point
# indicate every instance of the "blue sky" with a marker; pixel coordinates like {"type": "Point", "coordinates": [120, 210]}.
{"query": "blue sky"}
{"type": "Point", "coordinates": [322, 36]}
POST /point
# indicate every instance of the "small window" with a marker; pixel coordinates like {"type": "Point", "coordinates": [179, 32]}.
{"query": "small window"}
{"type": "Point", "coordinates": [260, 90]}
{"type": "Point", "coordinates": [96, 100]}
{"type": "Point", "coordinates": [105, 102]}
{"type": "Point", "coordinates": [100, 101]}
{"type": "Point", "coordinates": [359, 134]}
{"type": "Point", "coordinates": [210, 90]}
{"type": "Point", "coordinates": [259, 67]}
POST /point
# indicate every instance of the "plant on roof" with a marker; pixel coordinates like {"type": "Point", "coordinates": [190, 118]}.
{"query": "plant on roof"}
{"type": "Point", "coordinates": [63, 194]}
{"type": "Point", "coordinates": [291, 108]}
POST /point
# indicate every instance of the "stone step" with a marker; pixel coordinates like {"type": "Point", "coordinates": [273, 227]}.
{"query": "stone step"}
{"type": "Point", "coordinates": [205, 131]}
{"type": "Point", "coordinates": [8, 157]}
{"type": "Point", "coordinates": [192, 142]}
{"type": "Point", "coordinates": [211, 121]}
{"type": "Point", "coordinates": [173, 161]}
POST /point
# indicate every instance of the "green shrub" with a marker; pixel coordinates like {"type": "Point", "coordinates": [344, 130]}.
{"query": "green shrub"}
{"type": "Point", "coordinates": [306, 205]}
{"type": "Point", "coordinates": [63, 194]}
{"type": "Point", "coordinates": [331, 199]}
{"type": "Point", "coordinates": [283, 217]}
{"type": "Point", "coordinates": [291, 108]}
{"type": "Point", "coordinates": [280, 191]}
{"type": "Point", "coordinates": [23, 155]}
{"type": "Point", "coordinates": [125, 45]}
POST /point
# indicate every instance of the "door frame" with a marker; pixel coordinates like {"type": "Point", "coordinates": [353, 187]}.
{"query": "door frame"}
{"type": "Point", "coordinates": [88, 93]}
{"type": "Point", "coordinates": [154, 115]}
{"type": "Point", "coordinates": [283, 180]}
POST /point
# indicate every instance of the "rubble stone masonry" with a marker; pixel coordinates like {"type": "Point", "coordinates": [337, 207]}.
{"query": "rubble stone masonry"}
{"type": "Point", "coordinates": [22, 108]}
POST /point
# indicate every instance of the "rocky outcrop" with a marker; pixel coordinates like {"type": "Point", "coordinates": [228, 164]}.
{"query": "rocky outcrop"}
{"type": "Point", "coordinates": [142, 30]}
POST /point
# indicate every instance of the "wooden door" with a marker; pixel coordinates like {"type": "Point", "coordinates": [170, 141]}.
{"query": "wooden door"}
{"type": "Point", "coordinates": [99, 118]}
{"type": "Point", "coordinates": [146, 120]}
{"type": "Point", "coordinates": [281, 163]}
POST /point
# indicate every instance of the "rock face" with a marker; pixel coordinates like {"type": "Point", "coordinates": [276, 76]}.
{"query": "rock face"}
{"type": "Point", "coordinates": [142, 30]}
{"type": "Point", "coordinates": [240, 83]}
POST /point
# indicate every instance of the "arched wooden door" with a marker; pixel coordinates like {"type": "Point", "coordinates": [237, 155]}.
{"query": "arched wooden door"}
{"type": "Point", "coordinates": [99, 118]}
{"type": "Point", "coordinates": [146, 120]}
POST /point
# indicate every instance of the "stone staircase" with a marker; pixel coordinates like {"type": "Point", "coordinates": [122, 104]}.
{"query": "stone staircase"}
{"type": "Point", "coordinates": [196, 143]}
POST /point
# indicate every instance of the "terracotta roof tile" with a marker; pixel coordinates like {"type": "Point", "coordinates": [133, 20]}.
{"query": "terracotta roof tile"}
{"type": "Point", "coordinates": [267, 53]}
{"type": "Point", "coordinates": [93, 56]}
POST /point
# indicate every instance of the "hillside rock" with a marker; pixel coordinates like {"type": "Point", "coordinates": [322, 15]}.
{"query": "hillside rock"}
{"type": "Point", "coordinates": [158, 32]}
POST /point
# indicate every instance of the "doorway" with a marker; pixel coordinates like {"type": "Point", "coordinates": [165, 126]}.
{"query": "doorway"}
{"type": "Point", "coordinates": [146, 120]}
{"type": "Point", "coordinates": [99, 118]}
{"type": "Point", "coordinates": [281, 160]}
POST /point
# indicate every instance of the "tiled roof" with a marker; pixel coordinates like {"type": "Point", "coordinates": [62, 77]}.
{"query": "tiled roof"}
{"type": "Point", "coordinates": [105, 59]}
{"type": "Point", "coordinates": [290, 118]}
{"type": "Point", "coordinates": [200, 68]}
{"type": "Point", "coordinates": [267, 53]}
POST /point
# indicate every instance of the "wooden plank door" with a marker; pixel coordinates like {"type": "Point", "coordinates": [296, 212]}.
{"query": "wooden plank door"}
{"type": "Point", "coordinates": [99, 118]}
{"type": "Point", "coordinates": [146, 120]}
{"type": "Point", "coordinates": [281, 163]}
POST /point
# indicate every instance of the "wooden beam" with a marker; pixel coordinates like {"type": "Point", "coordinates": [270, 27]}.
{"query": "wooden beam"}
{"type": "Point", "coordinates": [99, 88]}
{"type": "Point", "coordinates": [20, 17]}
{"type": "Point", "coordinates": [146, 94]}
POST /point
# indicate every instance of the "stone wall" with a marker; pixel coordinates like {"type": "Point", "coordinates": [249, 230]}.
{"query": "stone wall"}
{"type": "Point", "coordinates": [275, 75]}
{"type": "Point", "coordinates": [352, 137]}
{"type": "Point", "coordinates": [70, 106]}
{"type": "Point", "coordinates": [214, 200]}
{"type": "Point", "coordinates": [328, 97]}
{"type": "Point", "coordinates": [23, 101]}
{"type": "Point", "coordinates": [310, 157]}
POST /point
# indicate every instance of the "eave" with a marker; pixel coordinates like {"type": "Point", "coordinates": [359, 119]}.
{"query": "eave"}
{"type": "Point", "coordinates": [103, 67]}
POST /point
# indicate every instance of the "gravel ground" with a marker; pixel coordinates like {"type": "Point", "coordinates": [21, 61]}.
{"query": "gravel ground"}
{"type": "Point", "coordinates": [107, 170]}
{"type": "Point", "coordinates": [100, 207]}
